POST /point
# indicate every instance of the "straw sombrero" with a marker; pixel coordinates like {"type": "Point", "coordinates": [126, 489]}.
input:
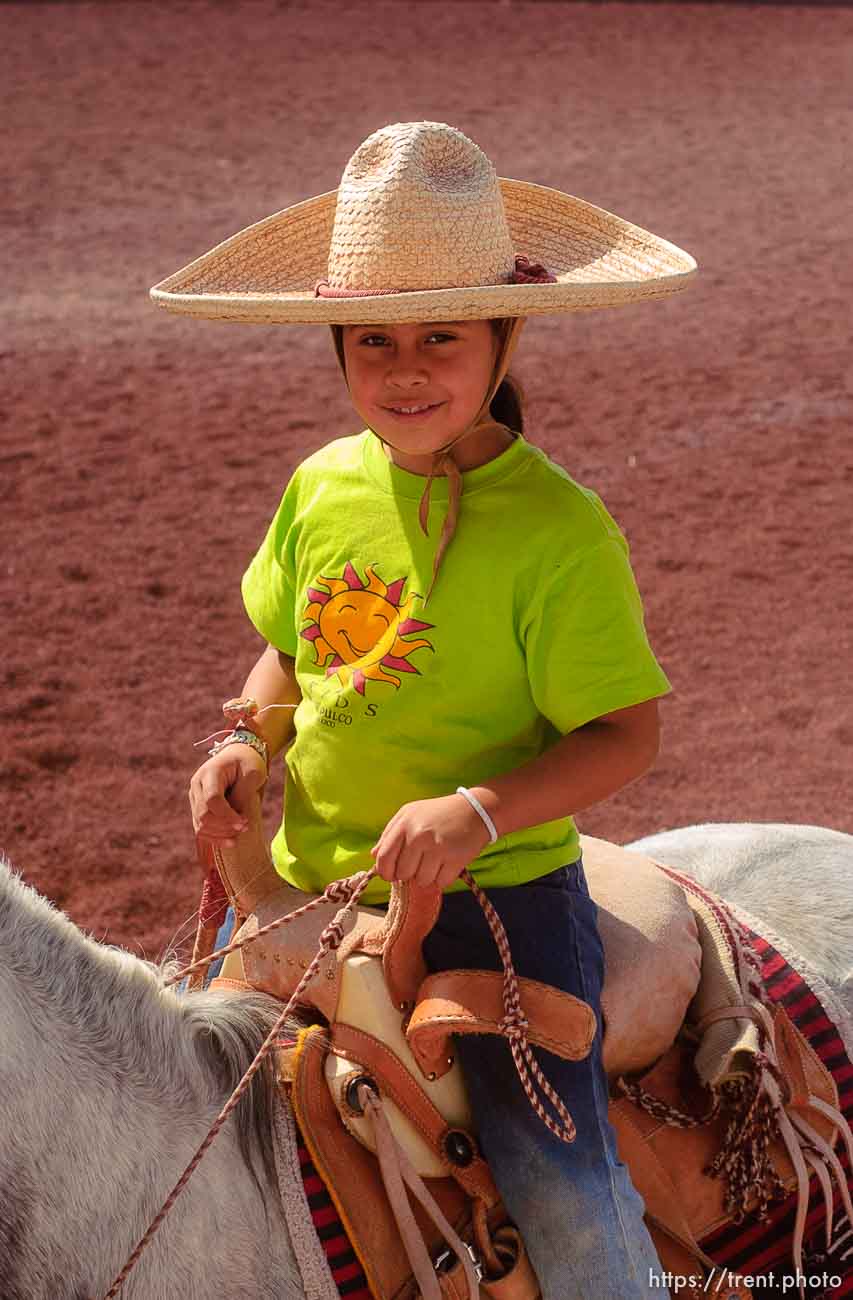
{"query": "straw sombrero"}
{"type": "Point", "coordinates": [421, 228]}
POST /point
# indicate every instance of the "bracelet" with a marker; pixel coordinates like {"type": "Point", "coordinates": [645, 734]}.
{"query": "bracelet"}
{"type": "Point", "coordinates": [242, 736]}
{"type": "Point", "coordinates": [478, 808]}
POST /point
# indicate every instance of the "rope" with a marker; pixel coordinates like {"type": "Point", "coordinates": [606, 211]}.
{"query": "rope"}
{"type": "Point", "coordinates": [662, 1110]}
{"type": "Point", "coordinates": [349, 890]}
{"type": "Point", "coordinates": [514, 1027]}
{"type": "Point", "coordinates": [212, 911]}
{"type": "Point", "coordinates": [336, 892]}
{"type": "Point", "coordinates": [755, 1110]}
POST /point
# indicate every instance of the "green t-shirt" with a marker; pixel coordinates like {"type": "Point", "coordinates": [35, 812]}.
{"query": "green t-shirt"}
{"type": "Point", "coordinates": [535, 627]}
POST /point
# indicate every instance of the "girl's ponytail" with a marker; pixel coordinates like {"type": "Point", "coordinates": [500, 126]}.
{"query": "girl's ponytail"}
{"type": "Point", "coordinates": [507, 405]}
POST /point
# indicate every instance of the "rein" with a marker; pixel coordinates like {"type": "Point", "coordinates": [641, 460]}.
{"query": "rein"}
{"type": "Point", "coordinates": [347, 891]}
{"type": "Point", "coordinates": [514, 1026]}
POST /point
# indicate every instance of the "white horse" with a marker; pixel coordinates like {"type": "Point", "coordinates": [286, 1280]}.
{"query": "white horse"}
{"type": "Point", "coordinates": [109, 1082]}
{"type": "Point", "coordinates": [795, 881]}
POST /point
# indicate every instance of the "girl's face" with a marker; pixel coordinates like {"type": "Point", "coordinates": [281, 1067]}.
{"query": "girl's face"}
{"type": "Point", "coordinates": [445, 368]}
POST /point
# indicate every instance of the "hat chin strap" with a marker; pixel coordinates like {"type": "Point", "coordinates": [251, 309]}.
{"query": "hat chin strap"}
{"type": "Point", "coordinates": [442, 461]}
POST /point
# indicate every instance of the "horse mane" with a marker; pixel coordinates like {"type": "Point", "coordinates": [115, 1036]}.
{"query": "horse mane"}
{"type": "Point", "coordinates": [227, 1030]}
{"type": "Point", "coordinates": [192, 1048]}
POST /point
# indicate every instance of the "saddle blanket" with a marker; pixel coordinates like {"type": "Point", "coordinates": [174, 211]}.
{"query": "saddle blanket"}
{"type": "Point", "coordinates": [342, 1259]}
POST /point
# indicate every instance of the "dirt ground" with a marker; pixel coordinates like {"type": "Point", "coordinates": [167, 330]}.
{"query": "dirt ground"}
{"type": "Point", "coordinates": [142, 455]}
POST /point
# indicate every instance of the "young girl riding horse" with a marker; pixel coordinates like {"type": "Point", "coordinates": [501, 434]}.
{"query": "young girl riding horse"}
{"type": "Point", "coordinates": [455, 620]}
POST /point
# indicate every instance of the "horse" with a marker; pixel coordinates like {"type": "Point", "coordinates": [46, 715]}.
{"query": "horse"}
{"type": "Point", "coordinates": [109, 1081]}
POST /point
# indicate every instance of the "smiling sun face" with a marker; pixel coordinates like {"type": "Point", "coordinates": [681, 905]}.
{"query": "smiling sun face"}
{"type": "Point", "coordinates": [361, 626]}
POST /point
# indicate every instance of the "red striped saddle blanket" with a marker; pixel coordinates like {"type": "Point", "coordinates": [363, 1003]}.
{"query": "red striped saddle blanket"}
{"type": "Point", "coordinates": [762, 1249]}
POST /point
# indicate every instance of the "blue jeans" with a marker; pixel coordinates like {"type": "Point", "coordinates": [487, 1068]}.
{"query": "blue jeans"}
{"type": "Point", "coordinates": [579, 1214]}
{"type": "Point", "coordinates": [223, 936]}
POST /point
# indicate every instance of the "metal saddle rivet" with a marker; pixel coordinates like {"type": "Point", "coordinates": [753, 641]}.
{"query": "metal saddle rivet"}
{"type": "Point", "coordinates": [459, 1148]}
{"type": "Point", "coordinates": [351, 1092]}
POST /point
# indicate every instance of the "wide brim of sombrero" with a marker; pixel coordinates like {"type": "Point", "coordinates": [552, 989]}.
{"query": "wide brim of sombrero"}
{"type": "Point", "coordinates": [267, 273]}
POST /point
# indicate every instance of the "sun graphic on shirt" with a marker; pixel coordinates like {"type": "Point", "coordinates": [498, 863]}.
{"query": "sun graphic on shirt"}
{"type": "Point", "coordinates": [360, 626]}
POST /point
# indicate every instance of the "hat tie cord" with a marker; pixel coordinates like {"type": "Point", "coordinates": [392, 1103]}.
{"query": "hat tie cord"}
{"type": "Point", "coordinates": [441, 459]}
{"type": "Point", "coordinates": [443, 463]}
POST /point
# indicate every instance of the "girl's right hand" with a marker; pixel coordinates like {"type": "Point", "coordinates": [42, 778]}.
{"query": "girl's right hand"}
{"type": "Point", "coordinates": [221, 791]}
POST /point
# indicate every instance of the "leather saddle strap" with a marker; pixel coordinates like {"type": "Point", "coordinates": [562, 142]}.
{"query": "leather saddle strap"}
{"type": "Point", "coordinates": [518, 1281]}
{"type": "Point", "coordinates": [412, 912]}
{"type": "Point", "coordinates": [663, 1206]}
{"type": "Point", "coordinates": [398, 1174]}
{"type": "Point", "coordinates": [398, 1084]}
{"type": "Point", "coordinates": [505, 1250]}
{"type": "Point", "coordinates": [472, 1002]}
{"type": "Point", "coordinates": [225, 984]}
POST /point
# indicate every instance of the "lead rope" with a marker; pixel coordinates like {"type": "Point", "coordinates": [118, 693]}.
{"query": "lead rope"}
{"type": "Point", "coordinates": [347, 891]}
{"type": "Point", "coordinates": [514, 1028]}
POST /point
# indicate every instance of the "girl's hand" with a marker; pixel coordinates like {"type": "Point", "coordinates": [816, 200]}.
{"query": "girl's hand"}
{"type": "Point", "coordinates": [430, 841]}
{"type": "Point", "coordinates": [236, 772]}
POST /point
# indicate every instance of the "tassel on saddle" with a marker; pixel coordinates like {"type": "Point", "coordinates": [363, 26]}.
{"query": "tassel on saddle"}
{"type": "Point", "coordinates": [764, 1111]}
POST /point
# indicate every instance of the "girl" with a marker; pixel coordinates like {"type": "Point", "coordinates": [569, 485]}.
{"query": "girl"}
{"type": "Point", "coordinates": [459, 701]}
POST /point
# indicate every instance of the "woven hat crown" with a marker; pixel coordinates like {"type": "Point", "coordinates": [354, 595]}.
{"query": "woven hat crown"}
{"type": "Point", "coordinates": [419, 207]}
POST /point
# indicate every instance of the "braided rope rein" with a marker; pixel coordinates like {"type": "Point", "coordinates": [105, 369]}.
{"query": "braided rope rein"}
{"type": "Point", "coordinates": [336, 892]}
{"type": "Point", "coordinates": [347, 891]}
{"type": "Point", "coordinates": [514, 1026]}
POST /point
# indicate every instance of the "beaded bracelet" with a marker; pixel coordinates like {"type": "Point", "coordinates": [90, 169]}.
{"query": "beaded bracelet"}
{"type": "Point", "coordinates": [241, 713]}
{"type": "Point", "coordinates": [243, 736]}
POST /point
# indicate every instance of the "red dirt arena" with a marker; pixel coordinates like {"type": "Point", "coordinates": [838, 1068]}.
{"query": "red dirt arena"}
{"type": "Point", "coordinates": [143, 454]}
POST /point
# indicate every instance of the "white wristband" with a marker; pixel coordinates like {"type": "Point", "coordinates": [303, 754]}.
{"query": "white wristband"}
{"type": "Point", "coordinates": [478, 808]}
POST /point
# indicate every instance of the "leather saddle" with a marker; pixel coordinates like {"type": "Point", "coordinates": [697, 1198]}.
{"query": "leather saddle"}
{"type": "Point", "coordinates": [678, 1024]}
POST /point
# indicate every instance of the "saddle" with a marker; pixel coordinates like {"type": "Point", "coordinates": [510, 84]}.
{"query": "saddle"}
{"type": "Point", "coordinates": [382, 1105]}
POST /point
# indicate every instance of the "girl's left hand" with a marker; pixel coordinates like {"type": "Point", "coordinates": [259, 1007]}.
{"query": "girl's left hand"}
{"type": "Point", "coordinates": [430, 841]}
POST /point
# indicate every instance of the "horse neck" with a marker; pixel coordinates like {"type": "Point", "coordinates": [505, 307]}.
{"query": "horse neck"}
{"type": "Point", "coordinates": [90, 1011]}
{"type": "Point", "coordinates": [105, 1093]}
